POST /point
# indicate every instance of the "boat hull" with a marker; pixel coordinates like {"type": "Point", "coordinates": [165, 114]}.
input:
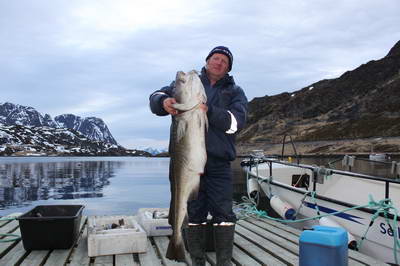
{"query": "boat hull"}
{"type": "Point", "coordinates": [333, 194]}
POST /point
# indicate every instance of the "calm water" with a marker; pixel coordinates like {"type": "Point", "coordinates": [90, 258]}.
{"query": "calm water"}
{"type": "Point", "coordinates": [105, 185]}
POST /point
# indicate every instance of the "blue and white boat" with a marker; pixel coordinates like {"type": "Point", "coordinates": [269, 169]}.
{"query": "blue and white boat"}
{"type": "Point", "coordinates": [299, 191]}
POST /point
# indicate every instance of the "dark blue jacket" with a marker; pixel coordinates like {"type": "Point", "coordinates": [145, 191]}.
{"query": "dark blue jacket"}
{"type": "Point", "coordinates": [224, 96]}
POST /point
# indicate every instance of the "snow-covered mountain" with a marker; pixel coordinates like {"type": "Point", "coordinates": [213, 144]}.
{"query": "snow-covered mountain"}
{"type": "Point", "coordinates": [93, 128]}
{"type": "Point", "coordinates": [15, 114]}
{"type": "Point", "coordinates": [27, 140]}
{"type": "Point", "coordinates": [154, 151]}
{"type": "Point", "coordinates": [20, 140]}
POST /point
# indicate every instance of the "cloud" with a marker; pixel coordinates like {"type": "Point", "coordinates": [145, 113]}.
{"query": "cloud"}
{"type": "Point", "coordinates": [94, 102]}
{"type": "Point", "coordinates": [104, 58]}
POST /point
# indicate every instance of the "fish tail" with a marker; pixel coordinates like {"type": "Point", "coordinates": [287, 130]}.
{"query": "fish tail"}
{"type": "Point", "coordinates": [176, 251]}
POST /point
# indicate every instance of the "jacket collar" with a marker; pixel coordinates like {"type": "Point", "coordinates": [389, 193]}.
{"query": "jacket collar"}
{"type": "Point", "coordinates": [224, 81]}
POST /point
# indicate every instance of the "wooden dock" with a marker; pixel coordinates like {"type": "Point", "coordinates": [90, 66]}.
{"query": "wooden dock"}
{"type": "Point", "coordinates": [257, 242]}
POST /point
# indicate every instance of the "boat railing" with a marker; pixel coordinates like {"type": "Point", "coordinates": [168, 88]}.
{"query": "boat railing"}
{"type": "Point", "coordinates": [317, 170]}
{"type": "Point", "coordinates": [390, 169]}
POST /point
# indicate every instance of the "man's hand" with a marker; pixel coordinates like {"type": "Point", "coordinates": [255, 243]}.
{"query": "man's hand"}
{"type": "Point", "coordinates": [204, 107]}
{"type": "Point", "coordinates": [167, 105]}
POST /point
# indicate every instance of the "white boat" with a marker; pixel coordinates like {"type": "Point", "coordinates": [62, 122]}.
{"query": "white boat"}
{"type": "Point", "coordinates": [381, 157]}
{"type": "Point", "coordinates": [334, 191]}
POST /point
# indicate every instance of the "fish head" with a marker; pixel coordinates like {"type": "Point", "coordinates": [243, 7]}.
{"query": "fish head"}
{"type": "Point", "coordinates": [189, 88]}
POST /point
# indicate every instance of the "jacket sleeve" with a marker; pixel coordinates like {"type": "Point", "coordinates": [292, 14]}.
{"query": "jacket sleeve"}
{"type": "Point", "coordinates": [232, 119]}
{"type": "Point", "coordinates": [156, 99]}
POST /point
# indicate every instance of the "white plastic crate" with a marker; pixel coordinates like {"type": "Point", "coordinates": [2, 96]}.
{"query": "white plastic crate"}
{"type": "Point", "coordinates": [105, 240]}
{"type": "Point", "coordinates": [147, 217]}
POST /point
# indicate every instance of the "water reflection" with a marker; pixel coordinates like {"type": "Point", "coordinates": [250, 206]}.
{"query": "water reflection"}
{"type": "Point", "coordinates": [21, 183]}
{"type": "Point", "coordinates": [105, 185]}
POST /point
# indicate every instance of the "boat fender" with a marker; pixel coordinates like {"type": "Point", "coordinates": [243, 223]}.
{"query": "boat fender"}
{"type": "Point", "coordinates": [284, 209]}
{"type": "Point", "coordinates": [351, 243]}
{"type": "Point", "coordinates": [252, 187]}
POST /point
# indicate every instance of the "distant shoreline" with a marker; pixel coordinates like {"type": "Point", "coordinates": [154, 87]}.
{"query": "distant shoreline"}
{"type": "Point", "coordinates": [328, 148]}
{"type": "Point", "coordinates": [359, 147]}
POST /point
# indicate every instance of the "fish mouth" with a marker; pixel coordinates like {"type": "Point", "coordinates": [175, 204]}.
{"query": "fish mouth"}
{"type": "Point", "coordinates": [180, 77]}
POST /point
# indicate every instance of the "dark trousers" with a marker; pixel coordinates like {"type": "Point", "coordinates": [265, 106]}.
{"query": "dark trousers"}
{"type": "Point", "coordinates": [215, 194]}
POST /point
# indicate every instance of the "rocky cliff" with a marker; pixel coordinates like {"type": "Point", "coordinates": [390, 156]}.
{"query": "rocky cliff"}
{"type": "Point", "coordinates": [362, 103]}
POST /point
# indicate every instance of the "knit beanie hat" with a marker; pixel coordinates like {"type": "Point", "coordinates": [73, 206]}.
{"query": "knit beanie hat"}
{"type": "Point", "coordinates": [222, 50]}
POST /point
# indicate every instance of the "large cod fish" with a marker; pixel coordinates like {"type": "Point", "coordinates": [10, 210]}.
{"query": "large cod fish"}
{"type": "Point", "coordinates": [188, 154]}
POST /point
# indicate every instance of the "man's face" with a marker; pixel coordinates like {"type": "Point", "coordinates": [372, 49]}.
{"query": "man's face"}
{"type": "Point", "coordinates": [218, 65]}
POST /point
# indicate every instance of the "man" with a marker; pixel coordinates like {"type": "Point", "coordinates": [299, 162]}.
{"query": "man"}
{"type": "Point", "coordinates": [226, 109]}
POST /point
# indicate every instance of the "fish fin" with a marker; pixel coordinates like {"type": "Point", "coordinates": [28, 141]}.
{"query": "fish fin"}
{"type": "Point", "coordinates": [176, 251]}
{"type": "Point", "coordinates": [181, 130]}
{"type": "Point", "coordinates": [202, 120]}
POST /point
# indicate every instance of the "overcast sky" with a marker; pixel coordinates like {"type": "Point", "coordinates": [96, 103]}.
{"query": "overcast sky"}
{"type": "Point", "coordinates": [104, 58]}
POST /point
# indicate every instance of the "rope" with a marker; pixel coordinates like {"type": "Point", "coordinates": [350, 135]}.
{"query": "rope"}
{"type": "Point", "coordinates": [384, 206]}
{"type": "Point", "coordinates": [248, 209]}
{"type": "Point", "coordinates": [263, 214]}
{"type": "Point", "coordinates": [14, 237]}
{"type": "Point", "coordinates": [301, 204]}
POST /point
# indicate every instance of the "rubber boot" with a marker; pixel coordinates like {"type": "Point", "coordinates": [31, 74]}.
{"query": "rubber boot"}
{"type": "Point", "coordinates": [223, 238]}
{"type": "Point", "coordinates": [196, 244]}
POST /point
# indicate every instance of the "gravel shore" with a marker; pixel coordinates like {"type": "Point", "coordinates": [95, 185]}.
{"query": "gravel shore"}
{"type": "Point", "coordinates": [388, 145]}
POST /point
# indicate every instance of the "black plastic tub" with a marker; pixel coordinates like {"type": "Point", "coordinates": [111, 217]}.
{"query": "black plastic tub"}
{"type": "Point", "coordinates": [50, 226]}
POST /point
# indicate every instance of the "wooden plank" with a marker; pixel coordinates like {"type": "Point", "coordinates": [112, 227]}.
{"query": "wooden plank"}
{"type": "Point", "coordinates": [9, 227]}
{"type": "Point", "coordinates": [286, 234]}
{"type": "Point", "coordinates": [294, 235]}
{"type": "Point", "coordinates": [150, 257]}
{"type": "Point", "coordinates": [269, 246]}
{"type": "Point", "coordinates": [126, 260]}
{"type": "Point", "coordinates": [5, 219]}
{"type": "Point", "coordinates": [281, 241]}
{"type": "Point", "coordinates": [284, 227]}
{"type": "Point", "coordinates": [211, 258]}
{"type": "Point", "coordinates": [256, 252]}
{"type": "Point", "coordinates": [239, 257]}
{"type": "Point", "coordinates": [62, 255]}
{"type": "Point", "coordinates": [357, 256]}
{"type": "Point", "coordinates": [162, 245]}
{"type": "Point", "coordinates": [352, 262]}
{"type": "Point", "coordinates": [104, 260]}
{"type": "Point", "coordinates": [58, 256]}
{"type": "Point", "coordinates": [36, 257]}
{"type": "Point", "coordinates": [6, 246]}
{"type": "Point", "coordinates": [14, 256]}
{"type": "Point", "coordinates": [79, 255]}
{"type": "Point", "coordinates": [278, 238]}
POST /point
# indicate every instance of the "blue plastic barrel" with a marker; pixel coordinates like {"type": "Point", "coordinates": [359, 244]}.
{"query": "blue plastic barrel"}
{"type": "Point", "coordinates": [323, 246]}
